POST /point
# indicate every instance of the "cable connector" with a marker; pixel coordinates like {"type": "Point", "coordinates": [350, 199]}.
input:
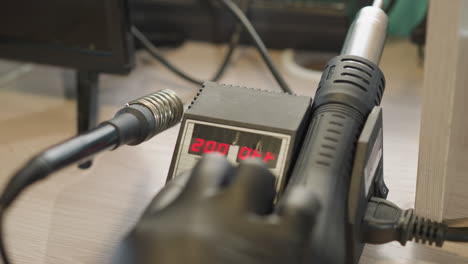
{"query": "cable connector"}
{"type": "Point", "coordinates": [385, 222]}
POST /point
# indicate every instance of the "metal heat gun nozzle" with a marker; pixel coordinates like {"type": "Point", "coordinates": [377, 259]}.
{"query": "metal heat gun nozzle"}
{"type": "Point", "coordinates": [367, 34]}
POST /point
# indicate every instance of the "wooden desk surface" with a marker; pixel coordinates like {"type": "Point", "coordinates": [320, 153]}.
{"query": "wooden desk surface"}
{"type": "Point", "coordinates": [79, 216]}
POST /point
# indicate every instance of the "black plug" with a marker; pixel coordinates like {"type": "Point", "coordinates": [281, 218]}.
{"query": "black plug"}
{"type": "Point", "coordinates": [385, 222]}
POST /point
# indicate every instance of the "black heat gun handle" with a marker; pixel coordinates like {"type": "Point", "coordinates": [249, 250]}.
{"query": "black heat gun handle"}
{"type": "Point", "coordinates": [349, 89]}
{"type": "Point", "coordinates": [351, 86]}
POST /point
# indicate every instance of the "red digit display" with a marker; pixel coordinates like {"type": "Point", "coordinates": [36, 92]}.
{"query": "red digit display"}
{"type": "Point", "coordinates": [223, 148]}
{"type": "Point", "coordinates": [248, 153]}
{"type": "Point", "coordinates": [209, 147]}
{"type": "Point", "coordinates": [268, 157]}
{"type": "Point", "coordinates": [201, 146]}
{"type": "Point", "coordinates": [244, 153]}
{"type": "Point", "coordinates": [256, 154]}
{"type": "Point", "coordinates": [196, 147]}
{"type": "Point", "coordinates": [236, 144]}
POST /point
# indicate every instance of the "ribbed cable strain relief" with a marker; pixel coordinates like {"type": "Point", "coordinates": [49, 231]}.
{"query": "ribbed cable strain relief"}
{"type": "Point", "coordinates": [422, 230]}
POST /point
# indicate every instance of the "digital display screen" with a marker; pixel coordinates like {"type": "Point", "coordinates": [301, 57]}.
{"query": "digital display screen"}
{"type": "Point", "coordinates": [246, 145]}
{"type": "Point", "coordinates": [237, 144]}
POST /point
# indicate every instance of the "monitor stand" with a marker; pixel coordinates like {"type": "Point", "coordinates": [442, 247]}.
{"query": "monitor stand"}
{"type": "Point", "coordinates": [87, 105]}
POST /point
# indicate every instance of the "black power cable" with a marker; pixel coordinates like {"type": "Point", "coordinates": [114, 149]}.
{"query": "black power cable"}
{"type": "Point", "coordinates": [137, 122]}
{"type": "Point", "coordinates": [3, 252]}
{"type": "Point", "coordinates": [457, 234]}
{"type": "Point", "coordinates": [385, 222]}
{"type": "Point", "coordinates": [154, 51]}
{"type": "Point", "coordinates": [238, 13]}
{"type": "Point", "coordinates": [241, 18]}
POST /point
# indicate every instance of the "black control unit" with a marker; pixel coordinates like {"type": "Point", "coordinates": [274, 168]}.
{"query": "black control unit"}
{"type": "Point", "coordinates": [242, 123]}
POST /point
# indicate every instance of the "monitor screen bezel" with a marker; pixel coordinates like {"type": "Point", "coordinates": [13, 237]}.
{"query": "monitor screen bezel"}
{"type": "Point", "coordinates": [119, 59]}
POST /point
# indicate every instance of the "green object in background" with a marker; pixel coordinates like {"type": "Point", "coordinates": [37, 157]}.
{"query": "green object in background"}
{"type": "Point", "coordinates": [405, 16]}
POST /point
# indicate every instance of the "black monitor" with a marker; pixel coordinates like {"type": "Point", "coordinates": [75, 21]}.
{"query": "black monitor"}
{"type": "Point", "coordinates": [87, 35]}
